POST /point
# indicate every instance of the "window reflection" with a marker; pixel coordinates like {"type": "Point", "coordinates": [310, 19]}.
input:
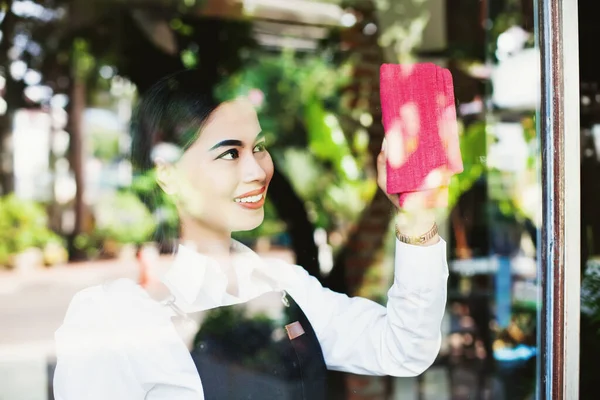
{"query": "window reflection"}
{"type": "Point", "coordinates": [70, 195]}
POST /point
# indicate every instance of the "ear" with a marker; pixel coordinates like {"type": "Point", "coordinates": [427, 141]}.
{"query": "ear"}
{"type": "Point", "coordinates": [165, 177]}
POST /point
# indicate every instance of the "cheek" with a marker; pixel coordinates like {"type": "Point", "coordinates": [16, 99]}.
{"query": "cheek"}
{"type": "Point", "coordinates": [206, 186]}
{"type": "Point", "coordinates": [223, 183]}
{"type": "Point", "coordinates": [216, 184]}
{"type": "Point", "coordinates": [267, 165]}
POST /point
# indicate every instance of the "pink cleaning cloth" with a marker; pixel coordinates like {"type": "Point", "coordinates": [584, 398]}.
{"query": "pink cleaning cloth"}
{"type": "Point", "coordinates": [419, 118]}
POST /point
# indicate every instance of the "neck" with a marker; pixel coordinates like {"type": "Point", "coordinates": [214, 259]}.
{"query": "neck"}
{"type": "Point", "coordinates": [213, 243]}
{"type": "Point", "coordinates": [205, 239]}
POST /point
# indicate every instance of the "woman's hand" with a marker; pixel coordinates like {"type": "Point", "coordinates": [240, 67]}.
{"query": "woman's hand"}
{"type": "Point", "coordinates": [416, 211]}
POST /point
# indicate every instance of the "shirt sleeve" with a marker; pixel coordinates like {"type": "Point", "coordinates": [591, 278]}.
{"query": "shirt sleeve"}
{"type": "Point", "coordinates": [401, 339]}
{"type": "Point", "coordinates": [116, 343]}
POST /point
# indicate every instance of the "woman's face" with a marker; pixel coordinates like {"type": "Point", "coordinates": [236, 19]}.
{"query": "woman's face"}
{"type": "Point", "coordinates": [222, 179]}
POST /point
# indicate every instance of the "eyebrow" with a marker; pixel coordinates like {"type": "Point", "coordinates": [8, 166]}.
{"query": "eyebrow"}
{"type": "Point", "coordinates": [227, 143]}
{"type": "Point", "coordinates": [234, 142]}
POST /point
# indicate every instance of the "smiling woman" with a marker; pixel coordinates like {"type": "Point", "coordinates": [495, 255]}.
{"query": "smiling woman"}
{"type": "Point", "coordinates": [269, 330]}
{"type": "Point", "coordinates": [220, 180]}
{"type": "Point", "coordinates": [221, 176]}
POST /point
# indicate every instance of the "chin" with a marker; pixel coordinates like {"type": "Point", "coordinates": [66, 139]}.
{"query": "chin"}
{"type": "Point", "coordinates": [247, 222]}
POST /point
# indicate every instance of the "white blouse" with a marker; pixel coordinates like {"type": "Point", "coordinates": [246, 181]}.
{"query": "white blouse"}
{"type": "Point", "coordinates": [117, 342]}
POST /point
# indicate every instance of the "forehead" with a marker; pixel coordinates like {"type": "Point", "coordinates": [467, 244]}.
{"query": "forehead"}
{"type": "Point", "coordinates": [235, 119]}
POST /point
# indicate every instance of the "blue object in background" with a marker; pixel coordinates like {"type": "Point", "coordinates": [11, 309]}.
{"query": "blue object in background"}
{"type": "Point", "coordinates": [520, 352]}
{"type": "Point", "coordinates": [503, 292]}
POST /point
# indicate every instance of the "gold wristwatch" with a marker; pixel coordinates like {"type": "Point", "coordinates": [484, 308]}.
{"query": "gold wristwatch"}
{"type": "Point", "coordinates": [418, 240]}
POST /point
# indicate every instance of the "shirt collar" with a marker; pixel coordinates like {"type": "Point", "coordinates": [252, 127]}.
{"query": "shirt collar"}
{"type": "Point", "coordinates": [198, 283]}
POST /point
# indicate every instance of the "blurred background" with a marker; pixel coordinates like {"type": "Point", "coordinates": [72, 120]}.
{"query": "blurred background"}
{"type": "Point", "coordinates": [71, 213]}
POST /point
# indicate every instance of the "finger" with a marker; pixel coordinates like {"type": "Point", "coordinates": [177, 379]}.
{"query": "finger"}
{"type": "Point", "coordinates": [382, 156]}
{"type": "Point", "coordinates": [395, 146]}
{"type": "Point", "coordinates": [382, 167]}
{"type": "Point", "coordinates": [381, 160]}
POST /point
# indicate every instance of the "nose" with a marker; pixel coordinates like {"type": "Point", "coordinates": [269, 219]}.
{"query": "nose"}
{"type": "Point", "coordinates": [252, 170]}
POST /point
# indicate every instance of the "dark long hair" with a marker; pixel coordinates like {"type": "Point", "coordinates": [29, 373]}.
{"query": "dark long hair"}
{"type": "Point", "coordinates": [172, 111]}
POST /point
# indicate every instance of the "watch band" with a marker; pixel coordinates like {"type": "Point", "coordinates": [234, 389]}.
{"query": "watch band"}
{"type": "Point", "coordinates": [417, 239]}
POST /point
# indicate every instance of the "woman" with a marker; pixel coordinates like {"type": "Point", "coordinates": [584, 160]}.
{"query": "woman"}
{"type": "Point", "coordinates": [269, 330]}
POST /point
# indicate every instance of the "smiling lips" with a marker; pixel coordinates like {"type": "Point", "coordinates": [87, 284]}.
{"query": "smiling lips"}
{"type": "Point", "coordinates": [252, 200]}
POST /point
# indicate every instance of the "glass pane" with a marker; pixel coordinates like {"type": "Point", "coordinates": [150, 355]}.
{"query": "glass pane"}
{"type": "Point", "coordinates": [590, 161]}
{"type": "Point", "coordinates": [491, 336]}
{"type": "Point", "coordinates": [79, 211]}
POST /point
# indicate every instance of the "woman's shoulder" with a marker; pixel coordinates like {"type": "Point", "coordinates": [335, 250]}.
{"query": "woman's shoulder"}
{"type": "Point", "coordinates": [118, 305]}
{"type": "Point", "coordinates": [285, 272]}
{"type": "Point", "coordinates": [115, 334]}
{"type": "Point", "coordinates": [290, 276]}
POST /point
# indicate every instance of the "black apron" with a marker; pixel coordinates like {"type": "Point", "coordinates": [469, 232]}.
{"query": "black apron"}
{"type": "Point", "coordinates": [245, 352]}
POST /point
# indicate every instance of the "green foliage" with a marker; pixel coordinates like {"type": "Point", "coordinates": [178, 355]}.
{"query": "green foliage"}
{"type": "Point", "coordinates": [512, 193]}
{"type": "Point", "coordinates": [473, 146]}
{"type": "Point", "coordinates": [83, 61]}
{"type": "Point", "coordinates": [329, 197]}
{"type": "Point", "coordinates": [146, 188]}
{"type": "Point", "coordinates": [288, 83]}
{"type": "Point", "coordinates": [327, 141]}
{"type": "Point", "coordinates": [123, 218]}
{"type": "Point", "coordinates": [473, 150]}
{"type": "Point", "coordinates": [180, 27]}
{"type": "Point", "coordinates": [105, 144]}
{"type": "Point", "coordinates": [239, 335]}
{"type": "Point", "coordinates": [590, 291]}
{"type": "Point", "coordinates": [23, 225]}
{"type": "Point", "coordinates": [90, 244]}
{"type": "Point", "coordinates": [189, 59]}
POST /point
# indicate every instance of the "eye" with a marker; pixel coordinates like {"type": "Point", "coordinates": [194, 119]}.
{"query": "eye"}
{"type": "Point", "coordinates": [229, 155]}
{"type": "Point", "coordinates": [262, 146]}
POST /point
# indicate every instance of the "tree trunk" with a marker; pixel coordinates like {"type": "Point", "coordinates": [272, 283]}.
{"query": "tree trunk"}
{"type": "Point", "coordinates": [291, 210]}
{"type": "Point", "coordinates": [77, 159]}
{"type": "Point", "coordinates": [10, 96]}
{"type": "Point", "coordinates": [460, 234]}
